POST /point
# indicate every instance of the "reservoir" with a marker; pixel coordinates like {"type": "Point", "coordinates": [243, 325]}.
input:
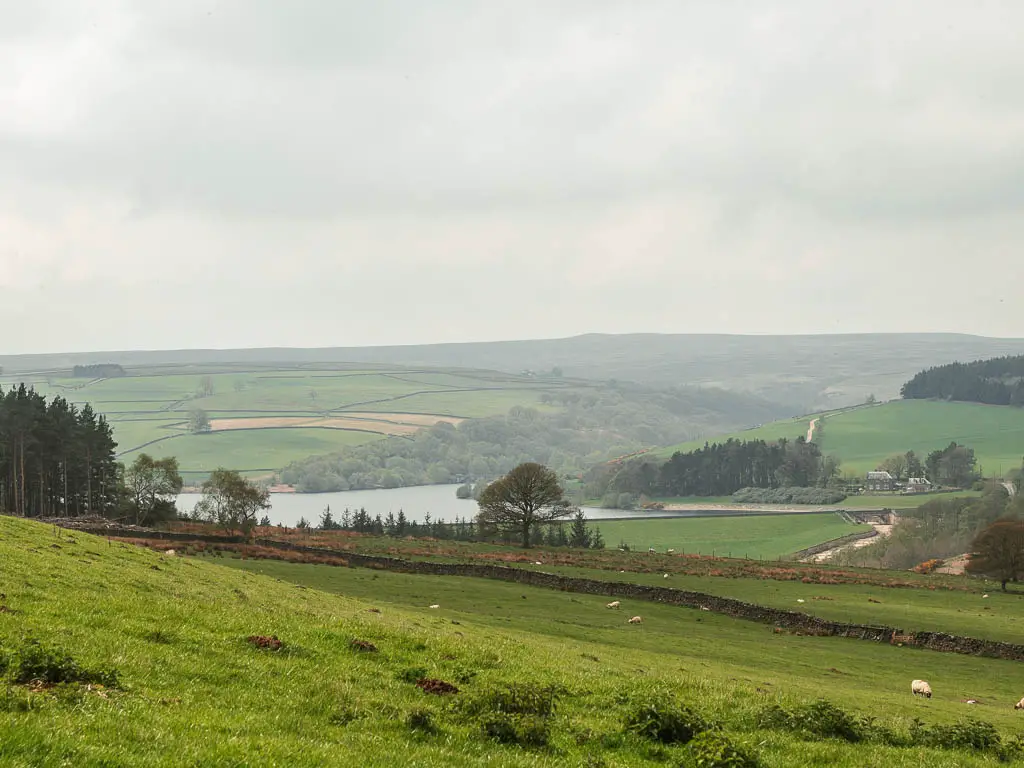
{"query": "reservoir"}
{"type": "Point", "coordinates": [438, 501]}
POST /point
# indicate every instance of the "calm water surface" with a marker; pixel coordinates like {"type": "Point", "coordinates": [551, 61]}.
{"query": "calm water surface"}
{"type": "Point", "coordinates": [416, 502]}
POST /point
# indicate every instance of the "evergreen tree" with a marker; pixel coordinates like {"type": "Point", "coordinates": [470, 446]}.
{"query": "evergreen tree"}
{"type": "Point", "coordinates": [401, 525]}
{"type": "Point", "coordinates": [579, 535]}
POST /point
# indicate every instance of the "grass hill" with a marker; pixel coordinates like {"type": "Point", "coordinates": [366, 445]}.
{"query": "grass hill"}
{"type": "Point", "coordinates": [804, 372]}
{"type": "Point", "coordinates": [163, 674]}
{"type": "Point", "coordinates": [264, 418]}
{"type": "Point", "coordinates": [862, 437]}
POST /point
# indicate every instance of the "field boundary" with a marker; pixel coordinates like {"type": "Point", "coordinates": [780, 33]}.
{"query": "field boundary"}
{"type": "Point", "coordinates": [824, 546]}
{"type": "Point", "coordinates": [782, 620]}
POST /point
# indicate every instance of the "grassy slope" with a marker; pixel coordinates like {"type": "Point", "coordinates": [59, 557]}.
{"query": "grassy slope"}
{"type": "Point", "coordinates": [863, 437]}
{"type": "Point", "coordinates": [194, 693]}
{"type": "Point", "coordinates": [762, 537]}
{"type": "Point", "coordinates": [155, 404]}
{"type": "Point", "coordinates": [869, 676]}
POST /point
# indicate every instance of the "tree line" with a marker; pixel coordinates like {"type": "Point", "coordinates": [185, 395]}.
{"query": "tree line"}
{"type": "Point", "coordinates": [578, 534]}
{"type": "Point", "coordinates": [998, 381]}
{"type": "Point", "coordinates": [56, 460]}
{"type": "Point", "coordinates": [717, 469]}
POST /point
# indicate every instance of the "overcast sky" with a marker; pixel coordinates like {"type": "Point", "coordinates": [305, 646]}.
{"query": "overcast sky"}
{"type": "Point", "coordinates": [325, 172]}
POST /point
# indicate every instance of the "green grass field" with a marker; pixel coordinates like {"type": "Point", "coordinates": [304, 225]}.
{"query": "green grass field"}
{"type": "Point", "coordinates": [757, 537]}
{"type": "Point", "coordinates": [191, 691]}
{"type": "Point", "coordinates": [862, 437]}
{"type": "Point", "coordinates": [150, 404]}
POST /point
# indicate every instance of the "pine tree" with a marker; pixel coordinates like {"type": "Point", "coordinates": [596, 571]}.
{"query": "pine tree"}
{"type": "Point", "coordinates": [579, 536]}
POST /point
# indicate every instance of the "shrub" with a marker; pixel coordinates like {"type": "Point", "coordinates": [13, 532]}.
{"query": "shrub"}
{"type": "Point", "coordinates": [518, 713]}
{"type": "Point", "coordinates": [34, 662]}
{"type": "Point", "coordinates": [965, 734]}
{"type": "Point", "coordinates": [818, 720]}
{"type": "Point", "coordinates": [661, 718]}
{"type": "Point", "coordinates": [713, 749]}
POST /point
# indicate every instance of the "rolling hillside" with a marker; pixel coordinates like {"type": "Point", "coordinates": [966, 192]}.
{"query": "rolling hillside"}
{"type": "Point", "coordinates": [166, 669]}
{"type": "Point", "coordinates": [263, 418]}
{"type": "Point", "coordinates": [806, 373]}
{"type": "Point", "coordinates": [862, 437]}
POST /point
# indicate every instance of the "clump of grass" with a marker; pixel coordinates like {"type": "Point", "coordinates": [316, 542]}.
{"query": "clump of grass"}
{"type": "Point", "coordinates": [421, 721]}
{"type": "Point", "coordinates": [713, 749]}
{"type": "Point", "coordinates": [344, 716]}
{"type": "Point", "coordinates": [159, 636]}
{"type": "Point", "coordinates": [33, 662]}
{"type": "Point", "coordinates": [661, 717]}
{"type": "Point", "coordinates": [412, 674]}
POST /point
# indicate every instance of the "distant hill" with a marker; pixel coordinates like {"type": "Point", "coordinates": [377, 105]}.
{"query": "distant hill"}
{"type": "Point", "coordinates": [804, 373]}
{"type": "Point", "coordinates": [863, 437]}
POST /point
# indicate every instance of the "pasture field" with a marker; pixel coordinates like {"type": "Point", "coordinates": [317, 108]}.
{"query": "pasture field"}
{"type": "Point", "coordinates": [182, 686]}
{"type": "Point", "coordinates": [760, 537]}
{"type": "Point", "coordinates": [864, 436]}
{"type": "Point", "coordinates": [322, 409]}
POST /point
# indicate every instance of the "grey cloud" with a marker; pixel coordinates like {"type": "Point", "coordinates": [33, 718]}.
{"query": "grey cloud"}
{"type": "Point", "coordinates": [617, 147]}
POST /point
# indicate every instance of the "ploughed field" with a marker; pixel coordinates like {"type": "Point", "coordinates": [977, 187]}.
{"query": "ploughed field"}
{"type": "Point", "coordinates": [263, 418]}
{"type": "Point", "coordinates": [170, 660]}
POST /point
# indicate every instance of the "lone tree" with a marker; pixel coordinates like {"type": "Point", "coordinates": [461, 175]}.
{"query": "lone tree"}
{"type": "Point", "coordinates": [231, 501]}
{"type": "Point", "coordinates": [527, 496]}
{"type": "Point", "coordinates": [999, 552]}
{"type": "Point", "coordinates": [152, 486]}
{"type": "Point", "coordinates": [198, 421]}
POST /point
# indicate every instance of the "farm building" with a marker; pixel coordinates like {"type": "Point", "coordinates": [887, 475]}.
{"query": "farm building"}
{"type": "Point", "coordinates": [879, 480]}
{"type": "Point", "coordinates": [918, 485]}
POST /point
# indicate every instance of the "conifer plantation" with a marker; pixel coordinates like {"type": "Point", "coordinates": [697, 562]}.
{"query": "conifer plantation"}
{"type": "Point", "coordinates": [56, 460]}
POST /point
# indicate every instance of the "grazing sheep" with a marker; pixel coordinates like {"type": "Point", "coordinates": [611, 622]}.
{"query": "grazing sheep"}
{"type": "Point", "coordinates": [670, 551]}
{"type": "Point", "coordinates": [1019, 704]}
{"type": "Point", "coordinates": [665, 576]}
{"type": "Point", "coordinates": [170, 553]}
{"type": "Point", "coordinates": [704, 608]}
{"type": "Point", "coordinates": [435, 606]}
{"type": "Point", "coordinates": [614, 604]}
{"type": "Point", "coordinates": [984, 597]}
{"type": "Point", "coordinates": [635, 620]}
{"type": "Point", "coordinates": [650, 551]}
{"type": "Point", "coordinates": [538, 562]}
{"type": "Point", "coordinates": [921, 688]}
{"type": "Point", "coordinates": [800, 600]}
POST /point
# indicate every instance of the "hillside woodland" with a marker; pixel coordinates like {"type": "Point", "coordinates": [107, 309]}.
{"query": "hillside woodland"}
{"type": "Point", "coordinates": [717, 469]}
{"type": "Point", "coordinates": [575, 430]}
{"type": "Point", "coordinates": [999, 381]}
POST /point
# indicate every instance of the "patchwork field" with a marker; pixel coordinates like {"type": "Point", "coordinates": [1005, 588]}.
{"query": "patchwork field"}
{"type": "Point", "coordinates": [862, 437]}
{"type": "Point", "coordinates": [283, 414]}
{"type": "Point", "coordinates": [161, 671]}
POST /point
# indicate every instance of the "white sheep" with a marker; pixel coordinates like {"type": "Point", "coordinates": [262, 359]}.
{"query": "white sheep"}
{"type": "Point", "coordinates": [1019, 704]}
{"type": "Point", "coordinates": [671, 551]}
{"type": "Point", "coordinates": [435, 606]}
{"type": "Point", "coordinates": [665, 576]}
{"type": "Point", "coordinates": [615, 604]}
{"type": "Point", "coordinates": [635, 620]}
{"type": "Point", "coordinates": [170, 553]}
{"type": "Point", "coordinates": [538, 562]}
{"type": "Point", "coordinates": [921, 688]}
{"type": "Point", "coordinates": [650, 551]}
